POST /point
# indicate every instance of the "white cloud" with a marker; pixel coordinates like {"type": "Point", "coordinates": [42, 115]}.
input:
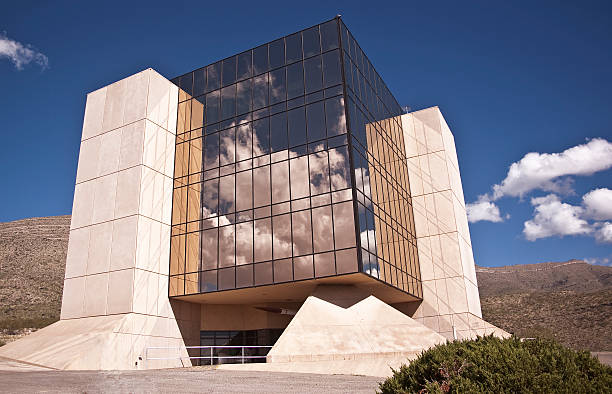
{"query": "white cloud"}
{"type": "Point", "coordinates": [554, 218]}
{"type": "Point", "coordinates": [20, 54]}
{"type": "Point", "coordinates": [545, 171]}
{"type": "Point", "coordinates": [598, 204]}
{"type": "Point", "coordinates": [605, 261]}
{"type": "Point", "coordinates": [483, 211]}
{"type": "Point", "coordinates": [603, 233]}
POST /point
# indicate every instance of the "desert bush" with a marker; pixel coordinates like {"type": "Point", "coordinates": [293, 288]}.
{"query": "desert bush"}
{"type": "Point", "coordinates": [493, 365]}
{"type": "Point", "coordinates": [16, 324]}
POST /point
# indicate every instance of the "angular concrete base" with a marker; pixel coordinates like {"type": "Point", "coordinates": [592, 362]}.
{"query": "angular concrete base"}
{"type": "Point", "coordinates": [97, 343]}
{"type": "Point", "coordinates": [342, 323]}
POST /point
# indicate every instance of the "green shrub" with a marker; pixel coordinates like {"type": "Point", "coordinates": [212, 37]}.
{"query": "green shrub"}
{"type": "Point", "coordinates": [490, 364]}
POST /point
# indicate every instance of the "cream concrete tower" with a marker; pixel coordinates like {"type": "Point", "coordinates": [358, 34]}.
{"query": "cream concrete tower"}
{"type": "Point", "coordinates": [115, 301]}
{"type": "Point", "coordinates": [451, 303]}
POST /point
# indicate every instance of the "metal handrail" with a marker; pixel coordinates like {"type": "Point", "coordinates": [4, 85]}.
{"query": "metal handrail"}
{"type": "Point", "coordinates": [211, 357]}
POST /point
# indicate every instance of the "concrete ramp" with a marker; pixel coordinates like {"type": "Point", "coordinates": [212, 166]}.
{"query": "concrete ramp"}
{"type": "Point", "coordinates": [97, 343]}
{"type": "Point", "coordinates": [67, 344]}
{"type": "Point", "coordinates": [340, 323]}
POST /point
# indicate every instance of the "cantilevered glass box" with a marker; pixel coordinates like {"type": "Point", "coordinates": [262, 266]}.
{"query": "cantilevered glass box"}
{"type": "Point", "coordinates": [290, 167]}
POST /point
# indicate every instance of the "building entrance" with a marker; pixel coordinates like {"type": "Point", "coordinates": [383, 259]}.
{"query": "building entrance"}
{"type": "Point", "coordinates": [240, 339]}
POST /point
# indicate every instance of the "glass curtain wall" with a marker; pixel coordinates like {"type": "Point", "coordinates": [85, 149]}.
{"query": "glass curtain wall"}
{"type": "Point", "coordinates": [273, 184]}
{"type": "Point", "coordinates": [386, 225]}
{"type": "Point", "coordinates": [262, 190]}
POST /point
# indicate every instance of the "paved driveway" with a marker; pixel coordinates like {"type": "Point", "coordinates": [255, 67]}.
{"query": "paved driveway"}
{"type": "Point", "coordinates": [181, 380]}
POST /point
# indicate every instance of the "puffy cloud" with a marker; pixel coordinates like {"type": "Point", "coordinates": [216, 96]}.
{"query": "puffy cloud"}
{"type": "Point", "coordinates": [544, 171]}
{"type": "Point", "coordinates": [598, 204]}
{"type": "Point", "coordinates": [603, 233]}
{"type": "Point", "coordinates": [605, 261]}
{"type": "Point", "coordinates": [483, 210]}
{"type": "Point", "coordinates": [554, 218]}
{"type": "Point", "coordinates": [20, 54]}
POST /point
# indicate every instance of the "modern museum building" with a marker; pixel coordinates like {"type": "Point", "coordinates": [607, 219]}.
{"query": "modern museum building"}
{"type": "Point", "coordinates": [278, 205]}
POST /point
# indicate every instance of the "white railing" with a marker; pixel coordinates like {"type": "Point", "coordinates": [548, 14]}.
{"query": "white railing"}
{"type": "Point", "coordinates": [210, 356]}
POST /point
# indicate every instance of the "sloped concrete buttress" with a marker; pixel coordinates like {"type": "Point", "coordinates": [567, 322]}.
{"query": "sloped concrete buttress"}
{"type": "Point", "coordinates": [341, 323]}
{"type": "Point", "coordinates": [115, 302]}
{"type": "Point", "coordinates": [451, 303]}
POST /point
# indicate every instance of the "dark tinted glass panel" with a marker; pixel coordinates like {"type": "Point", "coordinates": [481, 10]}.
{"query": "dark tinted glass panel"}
{"type": "Point", "coordinates": [229, 71]}
{"type": "Point", "coordinates": [228, 102]}
{"type": "Point", "coordinates": [324, 264]}
{"type": "Point", "coordinates": [297, 126]}
{"type": "Point", "coordinates": [227, 246]}
{"type": "Point", "coordinates": [245, 65]}
{"type": "Point", "coordinates": [227, 146]}
{"type": "Point", "coordinates": [311, 41]}
{"type": "Point", "coordinates": [244, 140]}
{"type": "Point", "coordinates": [260, 59]}
{"type": "Point", "coordinates": [263, 239]}
{"type": "Point", "coordinates": [278, 131]}
{"type": "Point", "coordinates": [199, 82]}
{"type": "Point", "coordinates": [293, 45]}
{"type": "Point", "coordinates": [243, 97]}
{"type": "Point", "coordinates": [212, 107]}
{"type": "Point", "coordinates": [244, 276]}
{"type": "Point", "coordinates": [312, 74]}
{"type": "Point", "coordinates": [208, 281]}
{"type": "Point", "coordinates": [210, 198]}
{"type": "Point", "coordinates": [244, 190]}
{"type": "Point", "coordinates": [281, 227]}
{"type": "Point", "coordinates": [226, 279]}
{"type": "Point", "coordinates": [295, 80]}
{"type": "Point", "coordinates": [280, 182]}
{"type": "Point", "coordinates": [226, 194]}
{"type": "Point", "coordinates": [329, 35]}
{"type": "Point", "coordinates": [186, 84]}
{"type": "Point", "coordinates": [210, 240]}
{"type": "Point", "coordinates": [319, 172]}
{"type": "Point", "coordinates": [261, 136]}
{"type": "Point", "coordinates": [303, 267]}
{"type": "Point", "coordinates": [260, 91]}
{"type": "Point", "coordinates": [263, 274]}
{"type": "Point", "coordinates": [344, 225]}
{"type": "Point", "coordinates": [211, 156]}
{"type": "Point", "coordinates": [339, 168]}
{"type": "Point", "coordinates": [335, 119]}
{"type": "Point", "coordinates": [332, 74]}
{"type": "Point", "coordinates": [277, 86]}
{"type": "Point", "coordinates": [214, 76]}
{"type": "Point", "coordinates": [302, 233]}
{"type": "Point", "coordinates": [322, 229]}
{"type": "Point", "coordinates": [283, 271]}
{"type": "Point", "coordinates": [262, 187]}
{"type": "Point", "coordinates": [277, 53]}
{"type": "Point", "coordinates": [315, 113]}
{"type": "Point", "coordinates": [244, 243]}
{"type": "Point", "coordinates": [346, 261]}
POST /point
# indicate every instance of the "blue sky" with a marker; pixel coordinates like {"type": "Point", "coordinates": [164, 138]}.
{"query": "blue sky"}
{"type": "Point", "coordinates": [509, 78]}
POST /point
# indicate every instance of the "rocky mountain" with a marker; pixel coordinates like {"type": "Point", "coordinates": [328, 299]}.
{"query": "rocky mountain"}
{"type": "Point", "coordinates": [570, 301]}
{"type": "Point", "coordinates": [573, 275]}
{"type": "Point", "coordinates": [32, 258]}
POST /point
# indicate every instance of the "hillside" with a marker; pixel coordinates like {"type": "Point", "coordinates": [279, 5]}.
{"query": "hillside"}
{"type": "Point", "coordinates": [32, 257]}
{"type": "Point", "coordinates": [573, 275]}
{"type": "Point", "coordinates": [570, 301]}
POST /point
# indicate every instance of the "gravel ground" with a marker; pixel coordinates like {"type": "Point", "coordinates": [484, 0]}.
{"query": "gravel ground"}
{"type": "Point", "coordinates": [185, 381]}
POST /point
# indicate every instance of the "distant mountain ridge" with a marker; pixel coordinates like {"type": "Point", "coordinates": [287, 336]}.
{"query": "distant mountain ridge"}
{"type": "Point", "coordinates": [570, 301]}
{"type": "Point", "coordinates": [572, 275]}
